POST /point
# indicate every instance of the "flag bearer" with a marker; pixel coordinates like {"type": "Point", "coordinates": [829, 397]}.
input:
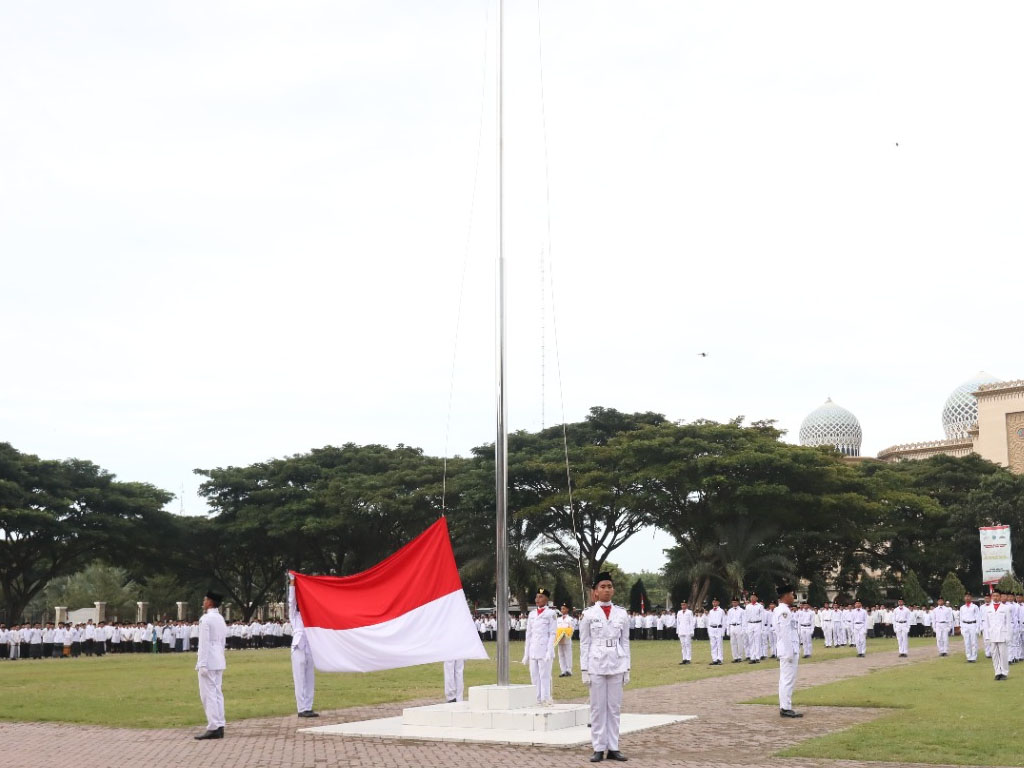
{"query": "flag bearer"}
{"type": "Point", "coordinates": [604, 666]}
{"type": "Point", "coordinates": [302, 657]}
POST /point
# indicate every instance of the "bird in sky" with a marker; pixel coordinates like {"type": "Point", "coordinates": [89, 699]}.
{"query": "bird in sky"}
{"type": "Point", "coordinates": [702, 354]}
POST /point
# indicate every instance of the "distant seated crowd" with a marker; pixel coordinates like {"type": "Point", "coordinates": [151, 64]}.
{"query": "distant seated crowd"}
{"type": "Point", "coordinates": [67, 639]}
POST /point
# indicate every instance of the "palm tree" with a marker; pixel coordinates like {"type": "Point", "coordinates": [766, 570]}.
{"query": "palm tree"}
{"type": "Point", "coordinates": [738, 556]}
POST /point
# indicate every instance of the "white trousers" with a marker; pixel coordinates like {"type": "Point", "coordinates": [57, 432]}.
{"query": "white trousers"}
{"type": "Point", "coordinates": [736, 644]}
{"type": "Point", "coordinates": [942, 638]}
{"type": "Point", "coordinates": [1000, 659]}
{"type": "Point", "coordinates": [540, 676]}
{"type": "Point", "coordinates": [302, 677]}
{"type": "Point", "coordinates": [806, 635]}
{"type": "Point", "coordinates": [212, 698]}
{"type": "Point", "coordinates": [988, 648]}
{"type": "Point", "coordinates": [901, 638]}
{"type": "Point", "coordinates": [970, 637]}
{"type": "Point", "coordinates": [715, 636]}
{"type": "Point", "coordinates": [754, 642]}
{"type": "Point", "coordinates": [605, 709]}
{"type": "Point", "coordinates": [787, 679]}
{"type": "Point", "coordinates": [768, 641]}
{"type": "Point", "coordinates": [454, 684]}
{"type": "Point", "coordinates": [830, 636]}
{"type": "Point", "coordinates": [565, 656]}
{"type": "Point", "coordinates": [686, 646]}
{"type": "Point", "coordinates": [860, 638]}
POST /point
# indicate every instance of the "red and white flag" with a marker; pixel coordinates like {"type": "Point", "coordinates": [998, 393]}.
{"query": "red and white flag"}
{"type": "Point", "coordinates": [408, 609]}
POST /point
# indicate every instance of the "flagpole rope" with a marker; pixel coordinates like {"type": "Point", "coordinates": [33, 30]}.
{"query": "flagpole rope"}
{"type": "Point", "coordinates": [465, 265]}
{"type": "Point", "coordinates": [554, 316]}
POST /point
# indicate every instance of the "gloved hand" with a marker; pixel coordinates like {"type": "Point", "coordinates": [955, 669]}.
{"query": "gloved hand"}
{"type": "Point", "coordinates": [585, 677]}
{"type": "Point", "coordinates": [625, 677]}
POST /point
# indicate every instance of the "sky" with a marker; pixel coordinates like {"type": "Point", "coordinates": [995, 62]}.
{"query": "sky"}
{"type": "Point", "coordinates": [237, 231]}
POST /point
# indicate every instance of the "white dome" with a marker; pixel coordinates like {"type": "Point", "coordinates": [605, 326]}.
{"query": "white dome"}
{"type": "Point", "coordinates": [833, 425]}
{"type": "Point", "coordinates": [961, 409]}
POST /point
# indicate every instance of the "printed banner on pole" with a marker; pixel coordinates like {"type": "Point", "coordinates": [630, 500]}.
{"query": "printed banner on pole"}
{"type": "Point", "coordinates": [408, 609]}
{"type": "Point", "coordinates": [996, 558]}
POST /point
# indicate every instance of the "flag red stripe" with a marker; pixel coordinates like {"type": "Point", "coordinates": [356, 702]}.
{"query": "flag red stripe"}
{"type": "Point", "coordinates": [421, 571]}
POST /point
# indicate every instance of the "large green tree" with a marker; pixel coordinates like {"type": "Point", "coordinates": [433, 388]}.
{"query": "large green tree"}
{"type": "Point", "coordinates": [58, 516]}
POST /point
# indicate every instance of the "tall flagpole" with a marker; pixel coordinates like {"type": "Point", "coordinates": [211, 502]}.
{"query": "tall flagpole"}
{"type": "Point", "coordinates": [501, 443]}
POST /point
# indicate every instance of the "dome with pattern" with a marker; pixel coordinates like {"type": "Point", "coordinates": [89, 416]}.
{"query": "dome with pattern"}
{"type": "Point", "coordinates": [961, 409]}
{"type": "Point", "coordinates": [831, 424]}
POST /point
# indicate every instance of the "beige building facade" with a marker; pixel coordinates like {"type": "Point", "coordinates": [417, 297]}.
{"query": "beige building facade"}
{"type": "Point", "coordinates": [990, 423]}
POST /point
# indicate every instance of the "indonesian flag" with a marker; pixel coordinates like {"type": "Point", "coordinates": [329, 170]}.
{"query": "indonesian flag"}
{"type": "Point", "coordinates": [408, 609]}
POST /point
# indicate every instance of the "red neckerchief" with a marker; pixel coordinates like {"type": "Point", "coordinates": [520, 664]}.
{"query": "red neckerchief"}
{"type": "Point", "coordinates": [540, 611]}
{"type": "Point", "coordinates": [607, 611]}
{"type": "Point", "coordinates": [995, 606]}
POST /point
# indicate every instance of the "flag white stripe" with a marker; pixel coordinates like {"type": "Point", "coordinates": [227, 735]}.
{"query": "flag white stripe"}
{"type": "Point", "coordinates": [440, 630]}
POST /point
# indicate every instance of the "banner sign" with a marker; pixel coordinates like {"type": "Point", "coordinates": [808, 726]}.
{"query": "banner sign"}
{"type": "Point", "coordinates": [996, 560]}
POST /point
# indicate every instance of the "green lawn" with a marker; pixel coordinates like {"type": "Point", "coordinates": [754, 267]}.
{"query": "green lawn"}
{"type": "Point", "coordinates": [147, 691]}
{"type": "Point", "coordinates": [944, 711]}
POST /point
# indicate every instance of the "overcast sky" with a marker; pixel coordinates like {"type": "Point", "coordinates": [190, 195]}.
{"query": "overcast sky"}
{"type": "Point", "coordinates": [233, 231]}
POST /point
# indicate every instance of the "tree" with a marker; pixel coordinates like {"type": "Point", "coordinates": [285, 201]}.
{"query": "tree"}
{"type": "Point", "coordinates": [708, 483]}
{"type": "Point", "coordinates": [913, 594]}
{"type": "Point", "coordinates": [96, 583]}
{"type": "Point", "coordinates": [869, 591]}
{"type": "Point", "coordinates": [638, 599]}
{"type": "Point", "coordinates": [607, 508]}
{"type": "Point", "coordinates": [816, 593]}
{"type": "Point", "coordinates": [1008, 585]}
{"type": "Point", "coordinates": [952, 590]}
{"type": "Point", "coordinates": [58, 516]}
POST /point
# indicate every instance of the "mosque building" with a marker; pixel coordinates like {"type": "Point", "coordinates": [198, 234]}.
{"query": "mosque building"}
{"type": "Point", "coordinates": [983, 415]}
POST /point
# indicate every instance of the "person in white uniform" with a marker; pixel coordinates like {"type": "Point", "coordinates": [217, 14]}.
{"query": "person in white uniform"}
{"type": "Point", "coordinates": [1000, 628]}
{"type": "Point", "coordinates": [604, 666]}
{"type": "Point", "coordinates": [826, 615]}
{"type": "Point", "coordinates": [970, 616]}
{"type": "Point", "coordinates": [541, 629]}
{"type": "Point", "coordinates": [734, 631]}
{"type": "Point", "coordinates": [805, 619]}
{"type": "Point", "coordinates": [859, 623]}
{"type": "Point", "coordinates": [983, 626]}
{"type": "Point", "coordinates": [685, 625]}
{"type": "Point", "coordinates": [754, 617]}
{"type": "Point", "coordinates": [716, 620]}
{"type": "Point", "coordinates": [563, 640]}
{"type": "Point", "coordinates": [303, 671]}
{"type": "Point", "coordinates": [787, 643]}
{"type": "Point", "coordinates": [942, 623]}
{"type": "Point", "coordinates": [454, 681]}
{"type": "Point", "coordinates": [901, 618]}
{"type": "Point", "coordinates": [211, 665]}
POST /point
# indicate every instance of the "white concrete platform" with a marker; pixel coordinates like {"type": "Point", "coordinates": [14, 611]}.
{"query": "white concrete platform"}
{"type": "Point", "coordinates": [572, 736]}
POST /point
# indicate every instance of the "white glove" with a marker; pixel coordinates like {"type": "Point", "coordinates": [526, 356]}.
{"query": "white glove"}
{"type": "Point", "coordinates": [585, 677]}
{"type": "Point", "coordinates": [625, 677]}
{"type": "Point", "coordinates": [524, 660]}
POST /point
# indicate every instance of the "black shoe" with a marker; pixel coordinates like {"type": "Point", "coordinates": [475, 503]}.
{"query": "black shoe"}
{"type": "Point", "coordinates": [737, 661]}
{"type": "Point", "coordinates": [597, 757]}
{"type": "Point", "coordinates": [970, 661]}
{"type": "Point", "coordinates": [686, 662]}
{"type": "Point", "coordinates": [860, 655]}
{"type": "Point", "coordinates": [614, 754]}
{"type": "Point", "coordinates": [450, 701]}
{"type": "Point", "coordinates": [311, 713]}
{"type": "Point", "coordinates": [903, 655]}
{"type": "Point", "coordinates": [789, 713]}
{"type": "Point", "coordinates": [217, 733]}
{"type": "Point", "coordinates": [943, 654]}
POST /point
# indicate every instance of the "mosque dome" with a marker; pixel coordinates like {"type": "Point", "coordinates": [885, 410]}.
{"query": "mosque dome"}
{"type": "Point", "coordinates": [961, 409]}
{"type": "Point", "coordinates": [830, 424]}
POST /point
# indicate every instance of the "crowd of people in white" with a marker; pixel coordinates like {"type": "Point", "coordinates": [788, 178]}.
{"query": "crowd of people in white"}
{"type": "Point", "coordinates": [71, 640]}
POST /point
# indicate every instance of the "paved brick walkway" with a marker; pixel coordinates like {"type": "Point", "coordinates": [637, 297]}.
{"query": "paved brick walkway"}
{"type": "Point", "coordinates": [727, 733]}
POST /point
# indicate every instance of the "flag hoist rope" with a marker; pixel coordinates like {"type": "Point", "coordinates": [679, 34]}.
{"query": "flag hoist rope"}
{"type": "Point", "coordinates": [554, 316]}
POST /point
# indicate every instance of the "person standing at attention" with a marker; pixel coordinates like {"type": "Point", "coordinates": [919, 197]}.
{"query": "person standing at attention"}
{"type": "Point", "coordinates": [604, 666]}
{"type": "Point", "coordinates": [787, 640]}
{"type": "Point", "coordinates": [210, 664]}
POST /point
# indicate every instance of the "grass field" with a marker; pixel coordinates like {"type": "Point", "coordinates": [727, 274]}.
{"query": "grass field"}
{"type": "Point", "coordinates": [944, 711]}
{"type": "Point", "coordinates": [147, 691]}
